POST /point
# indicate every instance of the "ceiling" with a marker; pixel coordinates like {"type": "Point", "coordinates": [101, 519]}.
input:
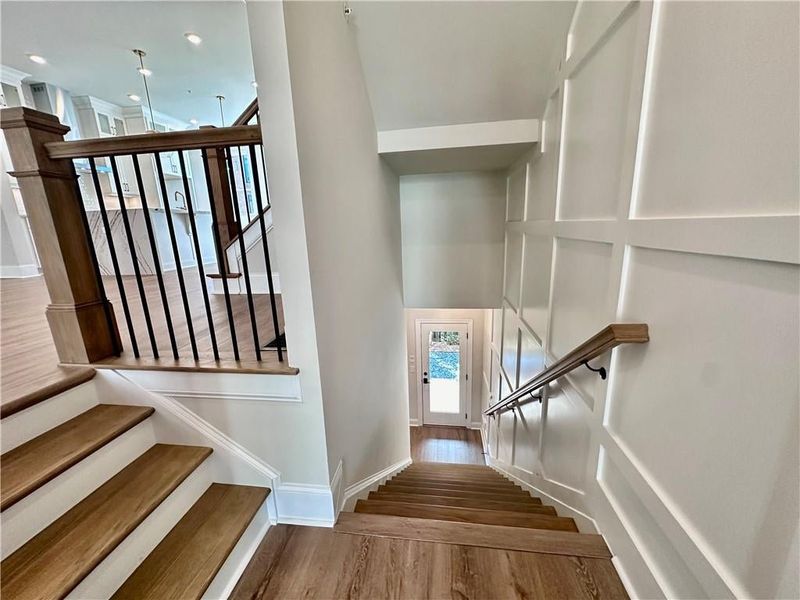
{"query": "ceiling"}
{"type": "Point", "coordinates": [88, 50]}
{"type": "Point", "coordinates": [444, 63]}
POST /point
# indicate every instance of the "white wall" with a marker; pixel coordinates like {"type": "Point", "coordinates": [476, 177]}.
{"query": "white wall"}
{"type": "Point", "coordinates": [453, 239]}
{"type": "Point", "coordinates": [667, 194]}
{"type": "Point", "coordinates": [477, 316]}
{"type": "Point", "coordinates": [337, 232]}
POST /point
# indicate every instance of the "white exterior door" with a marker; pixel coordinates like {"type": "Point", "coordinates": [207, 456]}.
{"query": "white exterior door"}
{"type": "Point", "coordinates": [444, 373]}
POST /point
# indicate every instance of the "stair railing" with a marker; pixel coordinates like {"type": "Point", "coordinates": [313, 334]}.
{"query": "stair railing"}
{"type": "Point", "coordinates": [81, 318]}
{"type": "Point", "coordinates": [600, 343]}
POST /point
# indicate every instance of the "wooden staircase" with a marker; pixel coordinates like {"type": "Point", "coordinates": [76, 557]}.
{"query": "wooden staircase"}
{"type": "Point", "coordinates": [57, 558]}
{"type": "Point", "coordinates": [436, 530]}
{"type": "Point", "coordinates": [471, 505]}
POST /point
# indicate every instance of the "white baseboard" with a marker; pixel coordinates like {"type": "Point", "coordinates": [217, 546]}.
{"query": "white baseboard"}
{"type": "Point", "coordinates": [18, 271]}
{"type": "Point", "coordinates": [414, 423]}
{"type": "Point", "coordinates": [355, 491]}
{"type": "Point", "coordinates": [305, 504]}
{"type": "Point", "coordinates": [336, 488]}
{"type": "Point", "coordinates": [537, 486]}
{"type": "Point", "coordinates": [477, 425]}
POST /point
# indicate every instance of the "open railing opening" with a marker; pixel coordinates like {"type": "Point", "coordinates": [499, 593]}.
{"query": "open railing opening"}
{"type": "Point", "coordinates": [155, 246]}
{"type": "Point", "coordinates": [166, 311]}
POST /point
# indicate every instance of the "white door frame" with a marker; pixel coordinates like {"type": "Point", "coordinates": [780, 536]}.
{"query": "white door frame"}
{"type": "Point", "coordinates": [418, 323]}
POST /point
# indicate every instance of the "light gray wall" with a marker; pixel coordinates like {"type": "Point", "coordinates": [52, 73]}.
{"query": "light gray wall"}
{"type": "Point", "coordinates": [352, 215]}
{"type": "Point", "coordinates": [453, 239]}
{"type": "Point", "coordinates": [337, 233]}
{"type": "Point", "coordinates": [643, 206]}
{"type": "Point", "coordinates": [288, 239]}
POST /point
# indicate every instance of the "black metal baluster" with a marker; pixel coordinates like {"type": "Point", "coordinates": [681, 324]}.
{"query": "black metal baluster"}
{"type": "Point", "coordinates": [245, 268]}
{"type": "Point", "coordinates": [114, 262]}
{"type": "Point", "coordinates": [156, 260]}
{"type": "Point", "coordinates": [197, 251]}
{"type": "Point", "coordinates": [134, 260]}
{"type": "Point", "coordinates": [178, 268]}
{"type": "Point", "coordinates": [220, 257]}
{"type": "Point", "coordinates": [261, 217]}
{"type": "Point", "coordinates": [95, 263]}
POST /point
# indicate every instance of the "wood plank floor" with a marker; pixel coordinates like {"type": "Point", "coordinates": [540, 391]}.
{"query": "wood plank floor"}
{"type": "Point", "coordinates": [28, 359]}
{"type": "Point", "coordinates": [311, 562]}
{"type": "Point", "coordinates": [434, 443]}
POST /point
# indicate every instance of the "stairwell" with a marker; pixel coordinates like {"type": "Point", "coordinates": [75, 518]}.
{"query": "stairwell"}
{"type": "Point", "coordinates": [436, 530]}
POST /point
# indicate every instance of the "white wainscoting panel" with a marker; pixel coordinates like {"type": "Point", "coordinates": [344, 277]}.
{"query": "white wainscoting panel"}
{"type": "Point", "coordinates": [664, 191]}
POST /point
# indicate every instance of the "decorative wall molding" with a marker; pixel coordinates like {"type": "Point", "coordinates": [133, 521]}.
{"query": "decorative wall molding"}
{"type": "Point", "coordinates": [219, 386]}
{"type": "Point", "coordinates": [305, 504]}
{"type": "Point", "coordinates": [539, 486]}
{"type": "Point", "coordinates": [253, 397]}
{"type": "Point", "coordinates": [618, 225]}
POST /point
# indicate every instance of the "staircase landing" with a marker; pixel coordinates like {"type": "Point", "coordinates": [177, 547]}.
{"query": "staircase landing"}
{"type": "Point", "coordinates": [30, 370]}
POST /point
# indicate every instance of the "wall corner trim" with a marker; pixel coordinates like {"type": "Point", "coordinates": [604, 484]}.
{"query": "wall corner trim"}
{"type": "Point", "coordinates": [352, 492]}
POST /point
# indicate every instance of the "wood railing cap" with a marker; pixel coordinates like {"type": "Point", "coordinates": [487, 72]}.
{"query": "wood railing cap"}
{"type": "Point", "coordinates": [145, 143]}
{"type": "Point", "coordinates": [604, 340]}
{"type": "Point", "coordinates": [22, 116]}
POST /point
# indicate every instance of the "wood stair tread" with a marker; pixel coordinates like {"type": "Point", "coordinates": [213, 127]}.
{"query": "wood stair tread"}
{"type": "Point", "coordinates": [439, 482]}
{"type": "Point", "coordinates": [466, 515]}
{"type": "Point", "coordinates": [70, 377]}
{"type": "Point", "coordinates": [511, 506]}
{"type": "Point", "coordinates": [519, 496]}
{"type": "Point", "coordinates": [185, 562]}
{"type": "Point", "coordinates": [455, 477]}
{"type": "Point", "coordinates": [474, 534]}
{"type": "Point", "coordinates": [55, 560]}
{"type": "Point", "coordinates": [32, 464]}
{"type": "Point", "coordinates": [455, 469]}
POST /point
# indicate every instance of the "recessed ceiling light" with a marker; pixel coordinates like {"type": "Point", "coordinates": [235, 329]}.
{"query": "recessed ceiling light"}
{"type": "Point", "coordinates": [145, 72]}
{"type": "Point", "coordinates": [134, 97]}
{"type": "Point", "coordinates": [193, 121]}
{"type": "Point", "coordinates": [254, 84]}
{"type": "Point", "coordinates": [39, 60]}
{"type": "Point", "coordinates": [193, 38]}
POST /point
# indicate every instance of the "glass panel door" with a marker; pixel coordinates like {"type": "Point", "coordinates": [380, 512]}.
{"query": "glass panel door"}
{"type": "Point", "coordinates": [444, 373]}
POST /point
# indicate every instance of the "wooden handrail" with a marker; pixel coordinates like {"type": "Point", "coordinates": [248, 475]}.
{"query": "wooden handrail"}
{"type": "Point", "coordinates": [248, 113]}
{"type": "Point", "coordinates": [600, 343]}
{"type": "Point", "coordinates": [193, 139]}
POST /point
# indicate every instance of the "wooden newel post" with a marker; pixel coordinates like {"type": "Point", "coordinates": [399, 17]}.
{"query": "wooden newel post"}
{"type": "Point", "coordinates": [221, 200]}
{"type": "Point", "coordinates": [81, 318]}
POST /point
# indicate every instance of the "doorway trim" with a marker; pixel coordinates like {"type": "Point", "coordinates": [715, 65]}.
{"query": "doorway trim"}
{"type": "Point", "coordinates": [418, 323]}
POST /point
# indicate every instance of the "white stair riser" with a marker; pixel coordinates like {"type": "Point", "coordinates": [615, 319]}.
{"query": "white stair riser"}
{"type": "Point", "coordinates": [31, 422]}
{"type": "Point", "coordinates": [112, 572]}
{"type": "Point", "coordinates": [38, 509]}
{"type": "Point", "coordinates": [233, 567]}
